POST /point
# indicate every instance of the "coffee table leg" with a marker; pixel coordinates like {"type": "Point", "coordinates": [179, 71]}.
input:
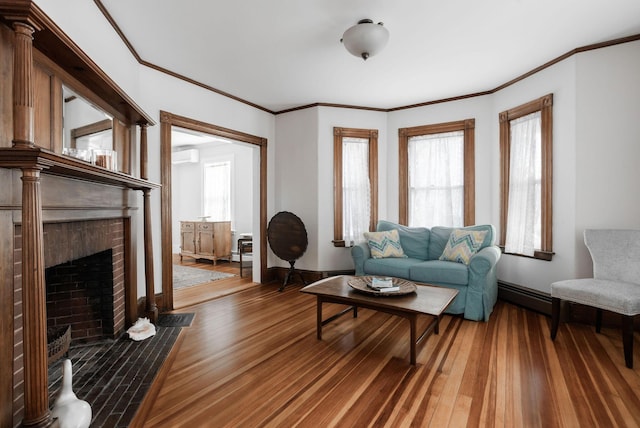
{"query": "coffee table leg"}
{"type": "Point", "coordinates": [319, 318]}
{"type": "Point", "coordinates": [412, 352]}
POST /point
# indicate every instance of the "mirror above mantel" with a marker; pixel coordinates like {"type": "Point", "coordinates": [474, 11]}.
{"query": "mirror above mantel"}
{"type": "Point", "coordinates": [87, 131]}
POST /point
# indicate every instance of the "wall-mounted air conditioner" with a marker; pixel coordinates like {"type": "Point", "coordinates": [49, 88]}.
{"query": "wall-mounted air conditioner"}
{"type": "Point", "coordinates": [185, 156]}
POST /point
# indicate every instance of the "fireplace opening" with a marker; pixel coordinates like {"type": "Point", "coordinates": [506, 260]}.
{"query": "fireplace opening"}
{"type": "Point", "coordinates": [80, 294]}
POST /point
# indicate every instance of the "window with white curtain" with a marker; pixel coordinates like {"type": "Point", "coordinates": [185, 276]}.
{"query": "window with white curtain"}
{"type": "Point", "coordinates": [436, 179]}
{"type": "Point", "coordinates": [356, 189]}
{"type": "Point", "coordinates": [437, 168]}
{"type": "Point", "coordinates": [355, 186]}
{"type": "Point", "coordinates": [526, 165]}
{"type": "Point", "coordinates": [525, 175]}
{"type": "Point", "coordinates": [217, 191]}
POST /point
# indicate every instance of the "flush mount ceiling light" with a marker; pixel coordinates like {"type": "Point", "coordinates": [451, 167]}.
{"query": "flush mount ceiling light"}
{"type": "Point", "coordinates": [365, 39]}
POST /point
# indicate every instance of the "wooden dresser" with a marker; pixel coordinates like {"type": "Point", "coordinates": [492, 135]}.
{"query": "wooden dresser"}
{"type": "Point", "coordinates": [209, 240]}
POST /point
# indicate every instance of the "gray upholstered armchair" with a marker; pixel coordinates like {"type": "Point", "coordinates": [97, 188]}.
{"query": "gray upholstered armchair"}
{"type": "Point", "coordinates": [615, 285]}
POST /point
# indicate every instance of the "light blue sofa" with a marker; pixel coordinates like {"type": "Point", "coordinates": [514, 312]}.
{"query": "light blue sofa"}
{"type": "Point", "coordinates": [476, 282]}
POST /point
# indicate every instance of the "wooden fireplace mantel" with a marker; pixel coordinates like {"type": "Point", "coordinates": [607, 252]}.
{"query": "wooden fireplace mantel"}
{"type": "Point", "coordinates": [32, 126]}
{"type": "Point", "coordinates": [66, 166]}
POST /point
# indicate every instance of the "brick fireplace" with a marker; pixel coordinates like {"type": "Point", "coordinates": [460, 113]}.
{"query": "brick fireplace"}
{"type": "Point", "coordinates": [85, 283]}
{"type": "Point", "coordinates": [82, 294]}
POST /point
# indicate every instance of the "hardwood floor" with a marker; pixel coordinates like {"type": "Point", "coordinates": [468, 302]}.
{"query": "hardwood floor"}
{"type": "Point", "coordinates": [252, 359]}
{"type": "Point", "coordinates": [189, 296]}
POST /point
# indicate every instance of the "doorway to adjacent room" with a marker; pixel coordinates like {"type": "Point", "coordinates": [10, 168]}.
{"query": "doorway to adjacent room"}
{"type": "Point", "coordinates": [213, 179]}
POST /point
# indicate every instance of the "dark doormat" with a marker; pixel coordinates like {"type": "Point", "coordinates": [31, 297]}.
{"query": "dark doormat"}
{"type": "Point", "coordinates": [175, 320]}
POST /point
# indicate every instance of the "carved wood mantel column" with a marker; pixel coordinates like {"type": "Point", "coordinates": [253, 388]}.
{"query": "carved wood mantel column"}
{"type": "Point", "coordinates": [151, 309]}
{"type": "Point", "coordinates": [144, 154]}
{"type": "Point", "coordinates": [23, 108]}
{"type": "Point", "coordinates": [36, 393]}
{"type": "Point", "coordinates": [34, 309]}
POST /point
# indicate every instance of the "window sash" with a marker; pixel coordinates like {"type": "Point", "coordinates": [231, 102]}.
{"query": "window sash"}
{"type": "Point", "coordinates": [436, 179]}
{"type": "Point", "coordinates": [349, 224]}
{"type": "Point", "coordinates": [217, 191]}
{"type": "Point", "coordinates": [356, 189]}
{"type": "Point", "coordinates": [541, 182]}
{"type": "Point", "coordinates": [465, 128]}
{"type": "Point", "coordinates": [525, 179]}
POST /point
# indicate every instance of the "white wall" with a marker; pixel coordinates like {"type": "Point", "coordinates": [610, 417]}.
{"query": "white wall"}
{"type": "Point", "coordinates": [95, 36]}
{"type": "Point", "coordinates": [596, 150]}
{"type": "Point", "coordinates": [304, 176]}
{"type": "Point", "coordinates": [329, 256]}
{"type": "Point", "coordinates": [607, 143]}
{"type": "Point", "coordinates": [187, 182]}
{"type": "Point", "coordinates": [559, 80]}
{"type": "Point", "coordinates": [478, 108]}
{"type": "Point", "coordinates": [593, 92]}
{"type": "Point", "coordinates": [296, 174]}
{"type": "Point", "coordinates": [162, 92]}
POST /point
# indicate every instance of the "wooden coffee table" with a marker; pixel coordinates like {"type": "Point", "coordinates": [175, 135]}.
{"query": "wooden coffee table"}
{"type": "Point", "coordinates": [427, 300]}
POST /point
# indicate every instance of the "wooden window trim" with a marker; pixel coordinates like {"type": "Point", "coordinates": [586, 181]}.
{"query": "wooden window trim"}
{"type": "Point", "coordinates": [468, 127]}
{"type": "Point", "coordinates": [545, 106]}
{"type": "Point", "coordinates": [338, 135]}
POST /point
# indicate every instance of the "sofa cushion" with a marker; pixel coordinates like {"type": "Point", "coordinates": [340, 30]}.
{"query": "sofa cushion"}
{"type": "Point", "coordinates": [384, 244]}
{"type": "Point", "coordinates": [439, 272]}
{"type": "Point", "coordinates": [462, 245]}
{"type": "Point", "coordinates": [414, 240]}
{"type": "Point", "coordinates": [440, 237]}
{"type": "Point", "coordinates": [398, 268]}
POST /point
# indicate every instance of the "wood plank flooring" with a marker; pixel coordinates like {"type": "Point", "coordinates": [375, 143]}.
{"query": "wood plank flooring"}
{"type": "Point", "coordinates": [189, 296]}
{"type": "Point", "coordinates": [251, 359]}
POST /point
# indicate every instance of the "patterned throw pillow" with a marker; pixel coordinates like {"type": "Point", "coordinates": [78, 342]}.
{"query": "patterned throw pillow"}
{"type": "Point", "coordinates": [462, 245]}
{"type": "Point", "coordinates": [384, 244]}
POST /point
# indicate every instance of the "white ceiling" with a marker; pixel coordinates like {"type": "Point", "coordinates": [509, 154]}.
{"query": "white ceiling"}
{"type": "Point", "coordinates": [282, 54]}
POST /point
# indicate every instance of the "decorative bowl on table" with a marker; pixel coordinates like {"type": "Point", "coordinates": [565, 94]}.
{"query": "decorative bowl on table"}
{"type": "Point", "coordinates": [364, 284]}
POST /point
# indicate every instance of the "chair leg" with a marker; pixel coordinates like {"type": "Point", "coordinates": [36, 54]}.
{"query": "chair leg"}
{"type": "Point", "coordinates": [598, 320]}
{"type": "Point", "coordinates": [555, 316]}
{"type": "Point", "coordinates": [627, 340]}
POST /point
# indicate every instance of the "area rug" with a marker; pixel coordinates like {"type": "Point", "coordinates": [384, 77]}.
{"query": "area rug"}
{"type": "Point", "coordinates": [185, 276]}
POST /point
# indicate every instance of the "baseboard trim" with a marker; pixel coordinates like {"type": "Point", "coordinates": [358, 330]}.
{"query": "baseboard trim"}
{"type": "Point", "coordinates": [522, 296]}
{"type": "Point", "coordinates": [525, 297]}
{"type": "Point", "coordinates": [278, 273]}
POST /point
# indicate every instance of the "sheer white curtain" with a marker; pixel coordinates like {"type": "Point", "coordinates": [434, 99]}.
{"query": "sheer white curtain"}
{"type": "Point", "coordinates": [525, 174]}
{"type": "Point", "coordinates": [356, 189]}
{"type": "Point", "coordinates": [436, 179]}
{"type": "Point", "coordinates": [217, 191]}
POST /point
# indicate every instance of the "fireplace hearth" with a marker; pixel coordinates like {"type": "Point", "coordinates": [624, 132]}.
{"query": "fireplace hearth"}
{"type": "Point", "coordinates": [84, 274]}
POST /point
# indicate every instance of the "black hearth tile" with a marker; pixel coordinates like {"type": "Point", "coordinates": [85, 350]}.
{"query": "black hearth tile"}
{"type": "Point", "coordinates": [110, 421]}
{"type": "Point", "coordinates": [127, 416]}
{"type": "Point", "coordinates": [120, 392]}
{"type": "Point", "coordinates": [114, 376]}
{"type": "Point", "coordinates": [123, 401]}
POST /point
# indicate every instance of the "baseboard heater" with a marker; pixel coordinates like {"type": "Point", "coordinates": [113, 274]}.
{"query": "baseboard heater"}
{"type": "Point", "coordinates": [525, 297]}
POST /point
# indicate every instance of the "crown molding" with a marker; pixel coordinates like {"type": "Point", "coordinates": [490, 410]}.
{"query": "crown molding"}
{"type": "Point", "coordinates": [347, 106]}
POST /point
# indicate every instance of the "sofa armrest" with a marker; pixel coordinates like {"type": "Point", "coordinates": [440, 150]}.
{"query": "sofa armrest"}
{"type": "Point", "coordinates": [483, 284]}
{"type": "Point", "coordinates": [484, 260]}
{"type": "Point", "coordinates": [360, 253]}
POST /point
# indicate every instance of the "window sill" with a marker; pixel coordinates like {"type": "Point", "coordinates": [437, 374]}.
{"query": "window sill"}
{"type": "Point", "coordinates": [537, 254]}
{"type": "Point", "coordinates": [338, 243]}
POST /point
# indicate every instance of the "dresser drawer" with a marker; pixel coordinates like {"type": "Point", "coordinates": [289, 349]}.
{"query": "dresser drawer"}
{"type": "Point", "coordinates": [204, 227]}
{"type": "Point", "coordinates": [187, 226]}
